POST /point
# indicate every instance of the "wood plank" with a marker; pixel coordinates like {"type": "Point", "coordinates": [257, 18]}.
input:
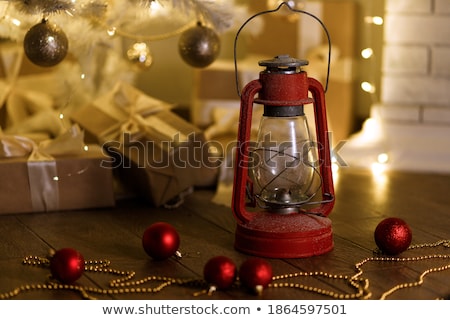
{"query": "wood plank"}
{"type": "Point", "coordinates": [16, 240]}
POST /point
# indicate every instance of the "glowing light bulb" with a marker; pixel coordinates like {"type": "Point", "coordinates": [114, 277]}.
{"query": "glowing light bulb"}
{"type": "Point", "coordinates": [366, 53]}
{"type": "Point", "coordinates": [368, 87]}
{"type": "Point", "coordinates": [111, 32]}
{"type": "Point", "coordinates": [383, 158]}
{"type": "Point", "coordinates": [16, 22]}
{"type": "Point", "coordinates": [377, 20]}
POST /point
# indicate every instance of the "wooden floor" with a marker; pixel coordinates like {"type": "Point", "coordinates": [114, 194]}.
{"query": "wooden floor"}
{"type": "Point", "coordinates": [207, 229]}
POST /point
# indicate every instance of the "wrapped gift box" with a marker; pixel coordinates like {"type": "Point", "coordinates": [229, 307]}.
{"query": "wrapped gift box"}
{"type": "Point", "coordinates": [293, 33]}
{"type": "Point", "coordinates": [70, 181]}
{"type": "Point", "coordinates": [301, 37]}
{"type": "Point", "coordinates": [215, 87]}
{"type": "Point", "coordinates": [157, 154]}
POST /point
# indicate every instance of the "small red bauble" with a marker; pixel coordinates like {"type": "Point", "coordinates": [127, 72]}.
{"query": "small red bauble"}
{"type": "Point", "coordinates": [220, 272]}
{"type": "Point", "coordinates": [255, 274]}
{"type": "Point", "coordinates": [393, 236]}
{"type": "Point", "coordinates": [160, 240]}
{"type": "Point", "coordinates": [67, 265]}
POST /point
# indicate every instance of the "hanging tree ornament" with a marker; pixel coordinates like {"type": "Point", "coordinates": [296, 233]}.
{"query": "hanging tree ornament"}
{"type": "Point", "coordinates": [139, 54]}
{"type": "Point", "coordinates": [199, 46]}
{"type": "Point", "coordinates": [45, 44]}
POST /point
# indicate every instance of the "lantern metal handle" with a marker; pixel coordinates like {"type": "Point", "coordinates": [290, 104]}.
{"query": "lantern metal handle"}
{"type": "Point", "coordinates": [271, 11]}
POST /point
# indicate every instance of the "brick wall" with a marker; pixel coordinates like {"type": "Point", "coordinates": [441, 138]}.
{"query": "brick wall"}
{"type": "Point", "coordinates": [413, 117]}
{"type": "Point", "coordinates": [416, 64]}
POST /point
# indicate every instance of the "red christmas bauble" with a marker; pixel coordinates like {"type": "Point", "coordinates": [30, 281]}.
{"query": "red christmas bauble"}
{"type": "Point", "coordinates": [393, 236]}
{"type": "Point", "coordinates": [160, 240]}
{"type": "Point", "coordinates": [220, 272]}
{"type": "Point", "coordinates": [67, 265]}
{"type": "Point", "coordinates": [255, 274]}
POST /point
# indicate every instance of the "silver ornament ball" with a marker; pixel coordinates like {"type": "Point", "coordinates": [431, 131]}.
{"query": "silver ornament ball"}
{"type": "Point", "coordinates": [199, 46]}
{"type": "Point", "coordinates": [45, 44]}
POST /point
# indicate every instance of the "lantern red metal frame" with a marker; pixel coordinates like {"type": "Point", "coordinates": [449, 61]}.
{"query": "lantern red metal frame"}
{"type": "Point", "coordinates": [304, 233]}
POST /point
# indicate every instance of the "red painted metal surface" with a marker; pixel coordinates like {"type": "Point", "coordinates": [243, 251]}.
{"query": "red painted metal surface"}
{"type": "Point", "coordinates": [274, 235]}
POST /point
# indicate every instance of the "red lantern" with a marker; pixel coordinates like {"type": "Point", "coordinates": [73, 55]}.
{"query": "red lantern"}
{"type": "Point", "coordinates": [283, 187]}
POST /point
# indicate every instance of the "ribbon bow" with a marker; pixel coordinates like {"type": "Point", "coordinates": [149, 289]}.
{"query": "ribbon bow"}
{"type": "Point", "coordinates": [129, 108]}
{"type": "Point", "coordinates": [42, 169]}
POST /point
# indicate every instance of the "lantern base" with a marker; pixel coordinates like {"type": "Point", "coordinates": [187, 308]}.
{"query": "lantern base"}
{"type": "Point", "coordinates": [274, 235]}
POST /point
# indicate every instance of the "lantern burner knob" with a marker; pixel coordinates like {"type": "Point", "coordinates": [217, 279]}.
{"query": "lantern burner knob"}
{"type": "Point", "coordinates": [282, 199]}
{"type": "Point", "coordinates": [282, 63]}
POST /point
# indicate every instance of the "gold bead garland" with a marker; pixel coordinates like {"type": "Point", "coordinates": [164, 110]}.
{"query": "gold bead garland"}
{"type": "Point", "coordinates": [121, 285]}
{"type": "Point", "coordinates": [125, 284]}
{"type": "Point", "coordinates": [361, 285]}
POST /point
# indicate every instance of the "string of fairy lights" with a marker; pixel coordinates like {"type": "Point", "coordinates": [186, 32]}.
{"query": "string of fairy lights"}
{"type": "Point", "coordinates": [369, 86]}
{"type": "Point", "coordinates": [368, 53]}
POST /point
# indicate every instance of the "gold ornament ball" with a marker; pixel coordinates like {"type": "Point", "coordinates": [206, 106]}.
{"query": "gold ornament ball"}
{"type": "Point", "coordinates": [199, 46]}
{"type": "Point", "coordinates": [139, 54]}
{"type": "Point", "coordinates": [45, 44]}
